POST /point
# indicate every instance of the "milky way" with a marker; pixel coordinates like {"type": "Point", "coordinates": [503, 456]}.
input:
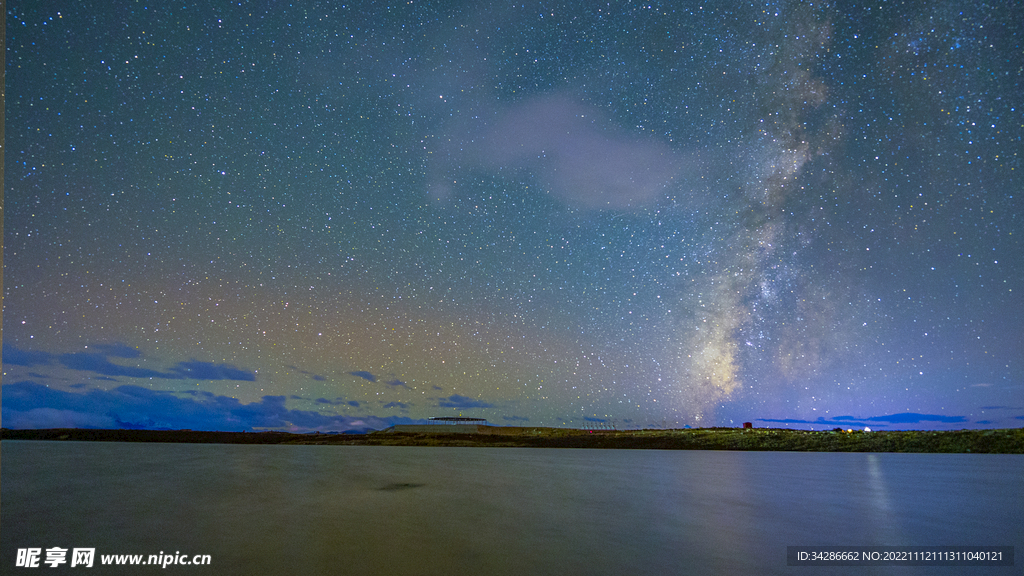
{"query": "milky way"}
{"type": "Point", "coordinates": [347, 216]}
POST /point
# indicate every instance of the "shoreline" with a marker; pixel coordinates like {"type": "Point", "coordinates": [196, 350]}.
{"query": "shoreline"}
{"type": "Point", "coordinates": [988, 441]}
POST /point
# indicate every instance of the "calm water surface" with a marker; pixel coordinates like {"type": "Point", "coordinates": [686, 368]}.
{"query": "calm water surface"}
{"type": "Point", "coordinates": [494, 511]}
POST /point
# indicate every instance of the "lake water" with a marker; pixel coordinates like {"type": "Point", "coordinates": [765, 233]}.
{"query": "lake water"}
{"type": "Point", "coordinates": [422, 511]}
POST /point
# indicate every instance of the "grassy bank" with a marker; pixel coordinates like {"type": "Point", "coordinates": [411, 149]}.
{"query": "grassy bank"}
{"type": "Point", "coordinates": [1003, 441]}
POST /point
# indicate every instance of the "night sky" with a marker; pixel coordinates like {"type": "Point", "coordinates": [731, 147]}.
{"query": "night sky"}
{"type": "Point", "coordinates": [327, 216]}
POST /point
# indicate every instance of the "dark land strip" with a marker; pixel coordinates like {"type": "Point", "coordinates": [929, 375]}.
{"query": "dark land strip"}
{"type": "Point", "coordinates": [1001, 441]}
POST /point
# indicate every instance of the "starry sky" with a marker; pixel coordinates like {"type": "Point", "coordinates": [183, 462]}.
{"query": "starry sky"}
{"type": "Point", "coordinates": [330, 216]}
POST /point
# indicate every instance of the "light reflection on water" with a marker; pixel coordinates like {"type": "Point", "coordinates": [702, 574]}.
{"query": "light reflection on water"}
{"type": "Point", "coordinates": [405, 510]}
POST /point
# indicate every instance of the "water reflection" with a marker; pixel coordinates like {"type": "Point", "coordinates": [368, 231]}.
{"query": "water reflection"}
{"type": "Point", "coordinates": [365, 510]}
{"type": "Point", "coordinates": [877, 493]}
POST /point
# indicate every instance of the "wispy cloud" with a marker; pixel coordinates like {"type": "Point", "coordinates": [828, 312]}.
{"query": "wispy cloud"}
{"type": "Point", "coordinates": [457, 401]}
{"type": "Point", "coordinates": [901, 418]}
{"type": "Point", "coordinates": [338, 402]}
{"type": "Point", "coordinates": [312, 376]}
{"type": "Point", "coordinates": [364, 375]}
{"type": "Point", "coordinates": [196, 370]}
{"type": "Point", "coordinates": [912, 418]}
{"type": "Point", "coordinates": [99, 363]}
{"type": "Point", "coordinates": [27, 404]}
{"type": "Point", "coordinates": [18, 357]}
{"type": "Point", "coordinates": [588, 164]}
